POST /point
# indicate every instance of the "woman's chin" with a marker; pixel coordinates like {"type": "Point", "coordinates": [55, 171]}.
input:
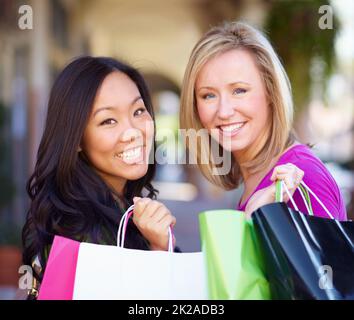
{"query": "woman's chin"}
{"type": "Point", "coordinates": [234, 146]}
{"type": "Point", "coordinates": [135, 171]}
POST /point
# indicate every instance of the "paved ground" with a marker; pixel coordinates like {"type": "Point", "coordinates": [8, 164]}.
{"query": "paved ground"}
{"type": "Point", "coordinates": [7, 293]}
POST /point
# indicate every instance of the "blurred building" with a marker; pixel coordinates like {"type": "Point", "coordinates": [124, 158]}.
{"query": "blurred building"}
{"type": "Point", "coordinates": [154, 36]}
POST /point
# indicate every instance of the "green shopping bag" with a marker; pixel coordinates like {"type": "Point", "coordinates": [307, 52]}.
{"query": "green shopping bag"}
{"type": "Point", "coordinates": [233, 261]}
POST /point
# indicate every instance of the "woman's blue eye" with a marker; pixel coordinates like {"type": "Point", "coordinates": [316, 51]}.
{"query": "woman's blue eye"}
{"type": "Point", "coordinates": [240, 91]}
{"type": "Point", "coordinates": [208, 96]}
{"type": "Point", "coordinates": [108, 122]}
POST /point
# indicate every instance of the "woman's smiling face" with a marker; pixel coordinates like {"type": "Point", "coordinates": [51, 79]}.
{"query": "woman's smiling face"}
{"type": "Point", "coordinates": [120, 132]}
{"type": "Point", "coordinates": [231, 99]}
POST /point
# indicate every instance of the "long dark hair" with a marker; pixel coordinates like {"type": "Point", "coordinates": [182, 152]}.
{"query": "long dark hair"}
{"type": "Point", "coordinates": [68, 197]}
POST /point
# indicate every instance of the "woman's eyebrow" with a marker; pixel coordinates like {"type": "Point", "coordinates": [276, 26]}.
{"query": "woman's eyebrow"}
{"type": "Point", "coordinates": [101, 109]}
{"type": "Point", "coordinates": [239, 82]}
{"type": "Point", "coordinates": [205, 87]}
{"type": "Point", "coordinates": [230, 85]}
{"type": "Point", "coordinates": [111, 108]}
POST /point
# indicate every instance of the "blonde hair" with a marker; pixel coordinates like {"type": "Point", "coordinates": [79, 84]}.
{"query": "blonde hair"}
{"type": "Point", "coordinates": [230, 36]}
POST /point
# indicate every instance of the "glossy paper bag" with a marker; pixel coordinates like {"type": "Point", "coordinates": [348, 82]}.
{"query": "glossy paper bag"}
{"type": "Point", "coordinates": [307, 257]}
{"type": "Point", "coordinates": [233, 261]}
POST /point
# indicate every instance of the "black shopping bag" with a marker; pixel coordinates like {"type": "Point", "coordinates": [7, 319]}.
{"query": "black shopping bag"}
{"type": "Point", "coordinates": [306, 257]}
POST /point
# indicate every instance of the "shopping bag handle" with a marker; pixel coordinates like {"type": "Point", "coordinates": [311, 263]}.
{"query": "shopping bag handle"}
{"type": "Point", "coordinates": [306, 198]}
{"type": "Point", "coordinates": [279, 195]}
{"type": "Point", "coordinates": [123, 227]}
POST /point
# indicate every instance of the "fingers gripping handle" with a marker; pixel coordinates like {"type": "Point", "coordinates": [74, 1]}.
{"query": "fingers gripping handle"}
{"type": "Point", "coordinates": [279, 197]}
{"type": "Point", "coordinates": [123, 227]}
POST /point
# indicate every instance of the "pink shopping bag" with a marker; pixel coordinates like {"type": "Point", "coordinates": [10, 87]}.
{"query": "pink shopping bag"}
{"type": "Point", "coordinates": [133, 274]}
{"type": "Point", "coordinates": [59, 277]}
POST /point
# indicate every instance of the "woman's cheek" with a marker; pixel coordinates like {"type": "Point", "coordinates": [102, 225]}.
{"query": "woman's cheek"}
{"type": "Point", "coordinates": [204, 115]}
{"type": "Point", "coordinates": [149, 131]}
{"type": "Point", "coordinates": [105, 142]}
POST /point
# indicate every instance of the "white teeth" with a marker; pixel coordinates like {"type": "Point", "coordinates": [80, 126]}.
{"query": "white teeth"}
{"type": "Point", "coordinates": [232, 127]}
{"type": "Point", "coordinates": [131, 154]}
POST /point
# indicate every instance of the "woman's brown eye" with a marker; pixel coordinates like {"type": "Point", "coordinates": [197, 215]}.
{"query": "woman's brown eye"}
{"type": "Point", "coordinates": [139, 111]}
{"type": "Point", "coordinates": [108, 121]}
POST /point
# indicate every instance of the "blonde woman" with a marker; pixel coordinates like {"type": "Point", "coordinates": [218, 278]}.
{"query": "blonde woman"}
{"type": "Point", "coordinates": [236, 88]}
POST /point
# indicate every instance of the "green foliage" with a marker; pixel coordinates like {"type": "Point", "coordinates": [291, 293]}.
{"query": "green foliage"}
{"type": "Point", "coordinates": [10, 234]}
{"type": "Point", "coordinates": [6, 185]}
{"type": "Point", "coordinates": [293, 28]}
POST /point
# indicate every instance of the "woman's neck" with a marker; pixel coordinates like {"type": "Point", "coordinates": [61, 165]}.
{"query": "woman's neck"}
{"type": "Point", "coordinates": [115, 183]}
{"type": "Point", "coordinates": [248, 154]}
{"type": "Point", "coordinates": [120, 201]}
{"type": "Point", "coordinates": [252, 179]}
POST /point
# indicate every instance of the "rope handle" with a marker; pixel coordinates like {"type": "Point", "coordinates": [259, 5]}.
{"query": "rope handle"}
{"type": "Point", "coordinates": [304, 191]}
{"type": "Point", "coordinates": [123, 227]}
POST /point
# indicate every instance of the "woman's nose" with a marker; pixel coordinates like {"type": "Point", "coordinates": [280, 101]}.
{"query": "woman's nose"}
{"type": "Point", "coordinates": [225, 109]}
{"type": "Point", "coordinates": [130, 133]}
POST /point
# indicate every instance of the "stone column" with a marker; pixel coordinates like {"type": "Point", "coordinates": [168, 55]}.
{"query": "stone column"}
{"type": "Point", "coordinates": [39, 75]}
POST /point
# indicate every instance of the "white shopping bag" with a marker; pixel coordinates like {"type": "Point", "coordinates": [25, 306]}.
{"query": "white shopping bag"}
{"type": "Point", "coordinates": [114, 272]}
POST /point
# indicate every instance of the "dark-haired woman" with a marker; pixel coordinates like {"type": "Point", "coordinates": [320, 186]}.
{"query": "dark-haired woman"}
{"type": "Point", "coordinates": [92, 163]}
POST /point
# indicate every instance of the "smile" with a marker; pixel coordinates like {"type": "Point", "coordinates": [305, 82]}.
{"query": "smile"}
{"type": "Point", "coordinates": [232, 129]}
{"type": "Point", "coordinates": [131, 154]}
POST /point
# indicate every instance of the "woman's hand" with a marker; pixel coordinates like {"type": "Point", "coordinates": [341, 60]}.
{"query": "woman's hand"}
{"type": "Point", "coordinates": [153, 219]}
{"type": "Point", "coordinates": [291, 176]}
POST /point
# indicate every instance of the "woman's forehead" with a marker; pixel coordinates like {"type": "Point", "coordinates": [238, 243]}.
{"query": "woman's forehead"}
{"type": "Point", "coordinates": [228, 67]}
{"type": "Point", "coordinates": [116, 89]}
